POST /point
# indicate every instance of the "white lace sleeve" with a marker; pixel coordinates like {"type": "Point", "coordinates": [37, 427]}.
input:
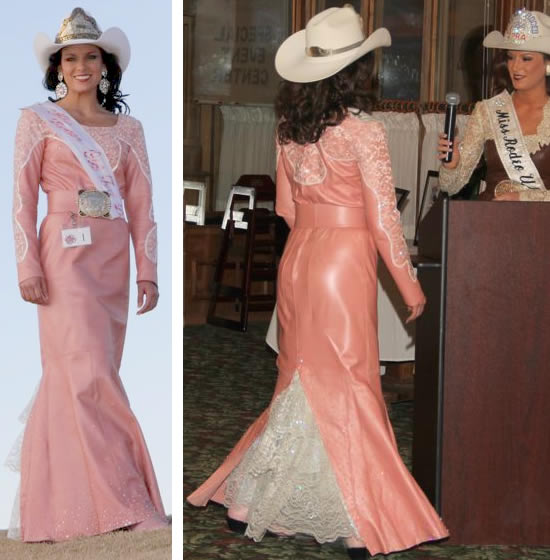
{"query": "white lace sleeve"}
{"type": "Point", "coordinates": [139, 204]}
{"type": "Point", "coordinates": [29, 147]}
{"type": "Point", "coordinates": [471, 148]}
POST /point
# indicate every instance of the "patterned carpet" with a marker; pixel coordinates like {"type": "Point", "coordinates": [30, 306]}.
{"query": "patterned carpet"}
{"type": "Point", "coordinates": [229, 378]}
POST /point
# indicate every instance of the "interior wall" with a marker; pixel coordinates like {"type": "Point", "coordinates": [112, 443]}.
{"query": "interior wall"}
{"type": "Point", "coordinates": [445, 44]}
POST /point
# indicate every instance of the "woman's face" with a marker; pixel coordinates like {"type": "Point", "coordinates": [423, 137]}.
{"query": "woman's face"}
{"type": "Point", "coordinates": [81, 66]}
{"type": "Point", "coordinates": [527, 69]}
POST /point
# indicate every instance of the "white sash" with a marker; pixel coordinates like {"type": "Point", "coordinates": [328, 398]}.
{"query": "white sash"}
{"type": "Point", "coordinates": [88, 152]}
{"type": "Point", "coordinates": [510, 143]}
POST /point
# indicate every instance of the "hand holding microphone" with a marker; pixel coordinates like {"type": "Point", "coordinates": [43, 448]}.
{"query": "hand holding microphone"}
{"type": "Point", "coordinates": [447, 154]}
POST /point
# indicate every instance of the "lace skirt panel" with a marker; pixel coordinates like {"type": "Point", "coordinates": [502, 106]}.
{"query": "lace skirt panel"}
{"type": "Point", "coordinates": [285, 479]}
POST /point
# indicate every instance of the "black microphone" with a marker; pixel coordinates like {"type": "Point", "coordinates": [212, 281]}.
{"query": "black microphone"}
{"type": "Point", "coordinates": [452, 99]}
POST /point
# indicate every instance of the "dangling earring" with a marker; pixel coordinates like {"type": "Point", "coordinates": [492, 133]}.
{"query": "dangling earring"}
{"type": "Point", "coordinates": [104, 83]}
{"type": "Point", "coordinates": [61, 88]}
{"type": "Point", "coordinates": [548, 69]}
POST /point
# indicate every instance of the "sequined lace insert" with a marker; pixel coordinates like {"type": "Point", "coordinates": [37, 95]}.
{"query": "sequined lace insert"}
{"type": "Point", "coordinates": [307, 163]}
{"type": "Point", "coordinates": [285, 479]}
{"type": "Point", "coordinates": [335, 144]}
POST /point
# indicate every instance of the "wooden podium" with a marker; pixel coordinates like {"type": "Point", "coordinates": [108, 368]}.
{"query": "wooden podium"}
{"type": "Point", "coordinates": [481, 448]}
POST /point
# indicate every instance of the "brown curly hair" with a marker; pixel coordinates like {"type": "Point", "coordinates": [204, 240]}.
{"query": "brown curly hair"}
{"type": "Point", "coordinates": [305, 110]}
{"type": "Point", "coordinates": [500, 77]}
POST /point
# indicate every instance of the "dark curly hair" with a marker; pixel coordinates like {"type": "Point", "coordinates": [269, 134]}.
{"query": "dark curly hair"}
{"type": "Point", "coordinates": [501, 77]}
{"type": "Point", "coordinates": [305, 110]}
{"type": "Point", "coordinates": [113, 101]}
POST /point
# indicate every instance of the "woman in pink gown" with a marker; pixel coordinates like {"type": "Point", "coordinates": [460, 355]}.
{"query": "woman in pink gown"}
{"type": "Point", "coordinates": [322, 459]}
{"type": "Point", "coordinates": [85, 468]}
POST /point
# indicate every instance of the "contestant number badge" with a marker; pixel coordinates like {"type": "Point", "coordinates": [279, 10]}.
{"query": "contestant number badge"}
{"type": "Point", "coordinates": [76, 237]}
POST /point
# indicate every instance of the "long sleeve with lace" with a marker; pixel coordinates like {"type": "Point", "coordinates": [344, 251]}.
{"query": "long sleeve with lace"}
{"type": "Point", "coordinates": [41, 158]}
{"type": "Point", "coordinates": [470, 148]}
{"type": "Point", "coordinates": [29, 148]}
{"type": "Point", "coordinates": [370, 147]}
{"type": "Point", "coordinates": [139, 205]}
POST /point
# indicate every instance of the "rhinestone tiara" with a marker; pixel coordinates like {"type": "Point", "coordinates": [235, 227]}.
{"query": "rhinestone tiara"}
{"type": "Point", "coordinates": [522, 27]}
{"type": "Point", "coordinates": [79, 25]}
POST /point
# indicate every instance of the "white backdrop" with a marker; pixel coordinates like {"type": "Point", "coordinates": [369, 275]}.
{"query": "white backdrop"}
{"type": "Point", "coordinates": [248, 146]}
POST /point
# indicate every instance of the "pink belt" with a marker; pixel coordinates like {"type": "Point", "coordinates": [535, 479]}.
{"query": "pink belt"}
{"type": "Point", "coordinates": [62, 201]}
{"type": "Point", "coordinates": [329, 216]}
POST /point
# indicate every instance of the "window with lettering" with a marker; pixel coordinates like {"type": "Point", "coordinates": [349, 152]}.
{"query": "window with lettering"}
{"type": "Point", "coordinates": [235, 42]}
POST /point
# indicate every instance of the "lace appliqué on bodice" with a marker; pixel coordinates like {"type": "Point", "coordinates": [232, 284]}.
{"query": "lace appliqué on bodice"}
{"type": "Point", "coordinates": [536, 142]}
{"type": "Point", "coordinates": [128, 131]}
{"type": "Point", "coordinates": [118, 142]}
{"type": "Point", "coordinates": [335, 144]}
{"type": "Point", "coordinates": [108, 141]}
{"type": "Point", "coordinates": [307, 160]}
{"type": "Point", "coordinates": [478, 131]}
{"type": "Point", "coordinates": [371, 149]}
{"type": "Point", "coordinates": [285, 479]}
{"type": "Point", "coordinates": [307, 163]}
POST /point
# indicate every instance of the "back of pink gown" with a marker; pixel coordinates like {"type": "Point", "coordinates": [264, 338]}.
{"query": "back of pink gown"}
{"type": "Point", "coordinates": [323, 459]}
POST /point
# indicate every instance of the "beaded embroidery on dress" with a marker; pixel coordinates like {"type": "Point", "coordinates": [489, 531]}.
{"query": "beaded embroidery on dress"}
{"type": "Point", "coordinates": [372, 152]}
{"type": "Point", "coordinates": [33, 132]}
{"type": "Point", "coordinates": [117, 142]}
{"type": "Point", "coordinates": [285, 479]}
{"type": "Point", "coordinates": [369, 148]}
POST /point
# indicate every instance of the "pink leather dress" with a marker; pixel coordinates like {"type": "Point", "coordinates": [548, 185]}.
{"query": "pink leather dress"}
{"type": "Point", "coordinates": [341, 468]}
{"type": "Point", "coordinates": [85, 468]}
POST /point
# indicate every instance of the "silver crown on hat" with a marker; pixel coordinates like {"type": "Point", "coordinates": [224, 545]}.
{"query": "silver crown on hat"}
{"type": "Point", "coordinates": [79, 25]}
{"type": "Point", "coordinates": [522, 27]}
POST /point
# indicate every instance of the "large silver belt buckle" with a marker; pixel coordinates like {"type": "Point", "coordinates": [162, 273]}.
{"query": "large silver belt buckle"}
{"type": "Point", "coordinates": [94, 204]}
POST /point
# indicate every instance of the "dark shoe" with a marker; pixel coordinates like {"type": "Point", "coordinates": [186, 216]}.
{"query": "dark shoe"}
{"type": "Point", "coordinates": [236, 526]}
{"type": "Point", "coordinates": [358, 553]}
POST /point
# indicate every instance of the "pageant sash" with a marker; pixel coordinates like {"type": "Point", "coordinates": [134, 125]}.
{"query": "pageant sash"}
{"type": "Point", "coordinates": [510, 143]}
{"type": "Point", "coordinates": [88, 152]}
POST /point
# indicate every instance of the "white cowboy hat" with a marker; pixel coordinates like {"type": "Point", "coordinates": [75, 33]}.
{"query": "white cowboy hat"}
{"type": "Point", "coordinates": [527, 31]}
{"type": "Point", "coordinates": [79, 29]}
{"type": "Point", "coordinates": [332, 40]}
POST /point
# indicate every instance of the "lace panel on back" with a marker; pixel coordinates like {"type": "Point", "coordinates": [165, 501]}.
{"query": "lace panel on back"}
{"type": "Point", "coordinates": [308, 165]}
